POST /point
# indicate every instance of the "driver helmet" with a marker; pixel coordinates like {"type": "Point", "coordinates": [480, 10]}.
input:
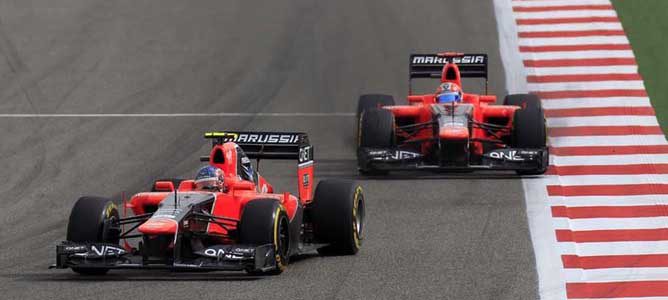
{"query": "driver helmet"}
{"type": "Point", "coordinates": [210, 178]}
{"type": "Point", "coordinates": [448, 92]}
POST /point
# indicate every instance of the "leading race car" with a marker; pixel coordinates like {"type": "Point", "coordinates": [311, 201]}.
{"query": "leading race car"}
{"type": "Point", "coordinates": [227, 218]}
{"type": "Point", "coordinates": [450, 129]}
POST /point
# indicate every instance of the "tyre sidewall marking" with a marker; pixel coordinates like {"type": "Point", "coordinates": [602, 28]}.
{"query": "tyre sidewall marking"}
{"type": "Point", "coordinates": [359, 129]}
{"type": "Point", "coordinates": [277, 216]}
{"type": "Point", "coordinates": [356, 234]}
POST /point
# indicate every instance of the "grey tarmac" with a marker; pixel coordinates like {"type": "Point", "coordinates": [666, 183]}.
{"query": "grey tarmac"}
{"type": "Point", "coordinates": [248, 64]}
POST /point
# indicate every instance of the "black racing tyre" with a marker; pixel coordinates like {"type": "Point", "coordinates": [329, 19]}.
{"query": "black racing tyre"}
{"type": "Point", "coordinates": [338, 214]}
{"type": "Point", "coordinates": [264, 221]}
{"type": "Point", "coordinates": [529, 130]}
{"type": "Point", "coordinates": [372, 101]}
{"type": "Point", "coordinates": [92, 220]}
{"type": "Point", "coordinates": [175, 181]}
{"type": "Point", "coordinates": [367, 102]}
{"type": "Point", "coordinates": [523, 100]}
{"type": "Point", "coordinates": [377, 129]}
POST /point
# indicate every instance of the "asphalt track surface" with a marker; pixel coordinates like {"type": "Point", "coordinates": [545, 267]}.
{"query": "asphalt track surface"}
{"type": "Point", "coordinates": [444, 237]}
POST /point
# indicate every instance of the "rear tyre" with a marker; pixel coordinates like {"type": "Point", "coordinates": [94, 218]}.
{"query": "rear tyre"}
{"type": "Point", "coordinates": [92, 220]}
{"type": "Point", "coordinates": [338, 213]}
{"type": "Point", "coordinates": [264, 221]}
{"type": "Point", "coordinates": [529, 129]}
{"type": "Point", "coordinates": [376, 131]}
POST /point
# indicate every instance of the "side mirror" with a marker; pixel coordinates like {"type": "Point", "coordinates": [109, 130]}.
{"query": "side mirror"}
{"type": "Point", "coordinates": [163, 186]}
{"type": "Point", "coordinates": [242, 185]}
{"type": "Point", "coordinates": [415, 99]}
{"type": "Point", "coordinates": [487, 98]}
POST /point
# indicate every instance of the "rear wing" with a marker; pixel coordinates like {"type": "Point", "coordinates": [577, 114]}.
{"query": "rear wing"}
{"type": "Point", "coordinates": [431, 65]}
{"type": "Point", "coordinates": [264, 145]}
{"type": "Point", "coordinates": [274, 145]}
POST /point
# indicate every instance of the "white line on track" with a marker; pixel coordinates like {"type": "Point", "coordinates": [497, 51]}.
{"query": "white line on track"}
{"type": "Point", "coordinates": [551, 284]}
{"type": "Point", "coordinates": [607, 180]}
{"type": "Point", "coordinates": [547, 3]}
{"type": "Point", "coordinates": [616, 274]}
{"type": "Point", "coordinates": [613, 248]}
{"type": "Point", "coordinates": [610, 223]}
{"type": "Point", "coordinates": [572, 41]}
{"type": "Point", "coordinates": [589, 86]}
{"type": "Point", "coordinates": [548, 263]}
{"type": "Point", "coordinates": [168, 115]}
{"type": "Point", "coordinates": [571, 27]}
{"type": "Point", "coordinates": [583, 70]}
{"type": "Point", "coordinates": [632, 200]}
{"type": "Point", "coordinates": [577, 55]}
{"type": "Point", "coordinates": [597, 102]}
{"type": "Point", "coordinates": [606, 160]}
{"type": "Point", "coordinates": [556, 14]}
{"type": "Point", "coordinates": [603, 121]}
{"type": "Point", "coordinates": [612, 140]}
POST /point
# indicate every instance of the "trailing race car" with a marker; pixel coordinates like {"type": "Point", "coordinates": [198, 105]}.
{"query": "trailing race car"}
{"type": "Point", "coordinates": [450, 129]}
{"type": "Point", "coordinates": [227, 218]}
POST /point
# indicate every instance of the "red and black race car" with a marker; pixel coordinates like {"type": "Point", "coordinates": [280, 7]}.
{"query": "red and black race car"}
{"type": "Point", "coordinates": [244, 225]}
{"type": "Point", "coordinates": [450, 129]}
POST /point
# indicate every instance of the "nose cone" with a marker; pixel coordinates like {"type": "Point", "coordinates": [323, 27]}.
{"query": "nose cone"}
{"type": "Point", "coordinates": [454, 133]}
{"type": "Point", "coordinates": [158, 226]}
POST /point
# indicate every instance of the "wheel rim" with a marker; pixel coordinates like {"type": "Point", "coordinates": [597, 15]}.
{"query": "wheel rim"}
{"type": "Point", "coordinates": [110, 230]}
{"type": "Point", "coordinates": [358, 216]}
{"type": "Point", "coordinates": [282, 240]}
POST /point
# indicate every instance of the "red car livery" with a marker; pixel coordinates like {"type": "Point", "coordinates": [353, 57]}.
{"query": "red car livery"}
{"type": "Point", "coordinates": [245, 225]}
{"type": "Point", "coordinates": [455, 133]}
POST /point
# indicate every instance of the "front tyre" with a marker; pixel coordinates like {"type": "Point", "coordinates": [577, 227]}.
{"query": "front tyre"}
{"type": "Point", "coordinates": [338, 216]}
{"type": "Point", "coordinates": [377, 130]}
{"type": "Point", "coordinates": [264, 221]}
{"type": "Point", "coordinates": [523, 100]}
{"type": "Point", "coordinates": [369, 101]}
{"type": "Point", "coordinates": [529, 130]}
{"type": "Point", "coordinates": [93, 220]}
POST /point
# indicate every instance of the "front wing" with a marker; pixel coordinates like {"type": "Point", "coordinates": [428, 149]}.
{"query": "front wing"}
{"type": "Point", "coordinates": [215, 258]}
{"type": "Point", "coordinates": [509, 159]}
